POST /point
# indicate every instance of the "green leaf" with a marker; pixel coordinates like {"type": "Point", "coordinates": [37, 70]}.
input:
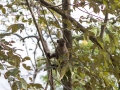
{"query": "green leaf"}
{"type": "Point", "coordinates": [7, 74]}
{"type": "Point", "coordinates": [11, 62]}
{"type": "Point", "coordinates": [43, 12]}
{"type": "Point", "coordinates": [104, 2]}
{"type": "Point", "coordinates": [3, 10]}
{"type": "Point", "coordinates": [26, 67]}
{"type": "Point", "coordinates": [15, 27]}
{"type": "Point", "coordinates": [93, 81]}
{"type": "Point", "coordinates": [78, 38]}
{"type": "Point", "coordinates": [58, 34]}
{"type": "Point", "coordinates": [82, 75]}
{"type": "Point", "coordinates": [29, 21]}
{"type": "Point", "coordinates": [24, 83]}
{"type": "Point", "coordinates": [15, 60]}
{"type": "Point", "coordinates": [55, 23]}
{"type": "Point", "coordinates": [14, 86]}
{"type": "Point", "coordinates": [14, 72]}
{"type": "Point", "coordinates": [114, 39]}
{"type": "Point", "coordinates": [78, 70]}
{"type": "Point", "coordinates": [1, 6]}
{"type": "Point", "coordinates": [19, 85]}
{"type": "Point", "coordinates": [9, 5]}
{"type": "Point", "coordinates": [112, 46]}
{"type": "Point", "coordinates": [76, 83]}
{"type": "Point", "coordinates": [1, 66]}
{"type": "Point", "coordinates": [100, 41]}
{"type": "Point", "coordinates": [105, 64]}
{"type": "Point", "coordinates": [75, 2]}
{"type": "Point", "coordinates": [25, 59]}
{"type": "Point", "coordinates": [30, 79]}
{"type": "Point", "coordinates": [17, 17]}
{"type": "Point", "coordinates": [69, 24]}
{"type": "Point", "coordinates": [43, 20]}
{"type": "Point", "coordinates": [63, 71]}
{"type": "Point", "coordinates": [24, 20]}
{"type": "Point", "coordinates": [37, 86]}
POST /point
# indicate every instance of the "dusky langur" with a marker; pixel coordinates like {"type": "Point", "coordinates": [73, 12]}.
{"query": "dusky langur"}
{"type": "Point", "coordinates": [60, 50]}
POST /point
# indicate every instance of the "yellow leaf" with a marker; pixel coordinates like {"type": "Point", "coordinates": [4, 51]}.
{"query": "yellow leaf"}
{"type": "Point", "coordinates": [85, 42]}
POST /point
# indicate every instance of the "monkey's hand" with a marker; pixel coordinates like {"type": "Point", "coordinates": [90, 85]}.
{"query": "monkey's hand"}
{"type": "Point", "coordinates": [48, 55]}
{"type": "Point", "coordinates": [54, 66]}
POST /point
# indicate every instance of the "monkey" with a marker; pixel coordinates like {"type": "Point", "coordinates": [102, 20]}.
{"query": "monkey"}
{"type": "Point", "coordinates": [60, 50]}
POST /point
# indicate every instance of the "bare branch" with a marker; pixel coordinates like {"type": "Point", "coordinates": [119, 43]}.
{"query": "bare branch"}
{"type": "Point", "coordinates": [39, 32]}
{"type": "Point", "coordinates": [104, 25]}
{"type": "Point", "coordinates": [48, 63]}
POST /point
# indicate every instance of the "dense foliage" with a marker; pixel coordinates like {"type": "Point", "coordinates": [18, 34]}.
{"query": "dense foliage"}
{"type": "Point", "coordinates": [95, 62]}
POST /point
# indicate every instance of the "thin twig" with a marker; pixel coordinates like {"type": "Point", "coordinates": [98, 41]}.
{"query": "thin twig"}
{"type": "Point", "coordinates": [48, 63]}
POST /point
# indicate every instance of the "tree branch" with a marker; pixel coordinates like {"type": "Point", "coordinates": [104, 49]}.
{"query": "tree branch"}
{"type": "Point", "coordinates": [48, 63]}
{"type": "Point", "coordinates": [104, 25]}
{"type": "Point", "coordinates": [73, 21]}
{"type": "Point", "coordinates": [62, 13]}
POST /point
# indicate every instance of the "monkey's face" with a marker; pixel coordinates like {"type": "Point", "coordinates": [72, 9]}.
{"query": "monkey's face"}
{"type": "Point", "coordinates": [61, 42]}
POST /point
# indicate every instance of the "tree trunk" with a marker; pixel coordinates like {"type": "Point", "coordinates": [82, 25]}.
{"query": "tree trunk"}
{"type": "Point", "coordinates": [67, 35]}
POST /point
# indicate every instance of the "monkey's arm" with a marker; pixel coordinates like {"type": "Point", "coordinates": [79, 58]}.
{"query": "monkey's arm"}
{"type": "Point", "coordinates": [54, 55]}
